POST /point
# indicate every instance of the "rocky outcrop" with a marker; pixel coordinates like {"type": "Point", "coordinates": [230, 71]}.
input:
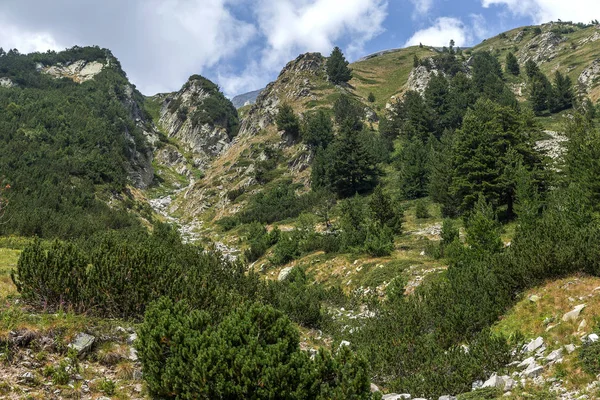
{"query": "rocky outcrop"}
{"type": "Point", "coordinates": [79, 71]}
{"type": "Point", "coordinates": [292, 85]}
{"type": "Point", "coordinates": [541, 48]}
{"type": "Point", "coordinates": [6, 83]}
{"type": "Point", "coordinates": [590, 76]}
{"type": "Point", "coordinates": [184, 116]}
{"type": "Point", "coordinates": [419, 79]}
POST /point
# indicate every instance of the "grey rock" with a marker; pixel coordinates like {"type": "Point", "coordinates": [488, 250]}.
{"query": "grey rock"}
{"type": "Point", "coordinates": [476, 385]}
{"type": "Point", "coordinates": [534, 344]}
{"type": "Point", "coordinates": [573, 314]}
{"type": "Point", "coordinates": [132, 338]}
{"type": "Point", "coordinates": [28, 377]}
{"type": "Point", "coordinates": [82, 343]}
{"type": "Point", "coordinates": [284, 273]}
{"type": "Point", "coordinates": [589, 76]}
{"type": "Point", "coordinates": [509, 383]}
{"type": "Point", "coordinates": [494, 382]}
{"type": "Point", "coordinates": [395, 396]}
{"type": "Point", "coordinates": [374, 388]}
{"type": "Point", "coordinates": [447, 398]}
{"type": "Point", "coordinates": [555, 355]}
{"type": "Point", "coordinates": [570, 348]}
{"type": "Point", "coordinates": [6, 83]}
{"type": "Point", "coordinates": [533, 371]}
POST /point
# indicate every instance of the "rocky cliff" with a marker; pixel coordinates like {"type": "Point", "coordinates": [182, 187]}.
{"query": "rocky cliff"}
{"type": "Point", "coordinates": [201, 118]}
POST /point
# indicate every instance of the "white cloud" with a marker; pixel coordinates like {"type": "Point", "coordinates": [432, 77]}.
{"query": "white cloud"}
{"type": "Point", "coordinates": [160, 43]}
{"type": "Point", "coordinates": [440, 33]}
{"type": "Point", "coordinates": [26, 41]}
{"type": "Point", "coordinates": [292, 27]}
{"type": "Point", "coordinates": [191, 36]}
{"type": "Point", "coordinates": [422, 7]}
{"type": "Point", "coordinates": [295, 26]}
{"type": "Point", "coordinates": [548, 10]}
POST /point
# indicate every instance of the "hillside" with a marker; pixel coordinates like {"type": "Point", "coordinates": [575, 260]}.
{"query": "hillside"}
{"type": "Point", "coordinates": [429, 226]}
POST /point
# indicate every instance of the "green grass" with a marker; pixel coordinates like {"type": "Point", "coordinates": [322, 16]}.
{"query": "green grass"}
{"type": "Point", "coordinates": [8, 262]}
{"type": "Point", "coordinates": [385, 75]}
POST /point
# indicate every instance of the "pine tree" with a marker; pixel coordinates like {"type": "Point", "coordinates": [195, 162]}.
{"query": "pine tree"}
{"type": "Point", "coordinates": [288, 121]}
{"type": "Point", "coordinates": [413, 172]}
{"type": "Point", "coordinates": [483, 148]}
{"type": "Point", "coordinates": [347, 166]}
{"type": "Point", "coordinates": [562, 93]}
{"type": "Point", "coordinates": [583, 157]}
{"type": "Point", "coordinates": [318, 130]}
{"type": "Point", "coordinates": [531, 68]}
{"type": "Point", "coordinates": [540, 94]}
{"type": "Point", "coordinates": [483, 230]}
{"type": "Point", "coordinates": [512, 65]}
{"type": "Point", "coordinates": [371, 97]}
{"type": "Point", "coordinates": [440, 175]}
{"type": "Point", "coordinates": [383, 210]}
{"type": "Point", "coordinates": [347, 111]}
{"type": "Point", "coordinates": [337, 67]}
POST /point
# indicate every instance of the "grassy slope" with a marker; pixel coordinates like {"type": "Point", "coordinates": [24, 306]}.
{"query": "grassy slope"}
{"type": "Point", "coordinates": [543, 318]}
{"type": "Point", "coordinates": [572, 58]}
{"type": "Point", "coordinates": [385, 75]}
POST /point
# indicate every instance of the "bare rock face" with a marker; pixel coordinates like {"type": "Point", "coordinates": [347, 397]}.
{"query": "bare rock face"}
{"type": "Point", "coordinates": [291, 85]}
{"type": "Point", "coordinates": [541, 48]}
{"type": "Point", "coordinates": [590, 76]}
{"type": "Point", "coordinates": [207, 139]}
{"type": "Point", "coordinates": [419, 79]}
{"type": "Point", "coordinates": [79, 71]}
{"type": "Point", "coordinates": [6, 83]}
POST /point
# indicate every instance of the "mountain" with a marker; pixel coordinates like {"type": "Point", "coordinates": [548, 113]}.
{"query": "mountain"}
{"type": "Point", "coordinates": [246, 99]}
{"type": "Point", "coordinates": [428, 227]}
{"type": "Point", "coordinates": [74, 136]}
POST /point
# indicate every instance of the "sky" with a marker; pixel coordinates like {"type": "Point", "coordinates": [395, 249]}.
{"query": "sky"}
{"type": "Point", "coordinates": [243, 44]}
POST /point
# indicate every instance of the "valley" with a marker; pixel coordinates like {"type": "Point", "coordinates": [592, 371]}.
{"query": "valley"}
{"type": "Point", "coordinates": [420, 224]}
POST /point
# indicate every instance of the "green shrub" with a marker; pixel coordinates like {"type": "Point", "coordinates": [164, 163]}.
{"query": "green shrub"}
{"type": "Point", "coordinates": [421, 210]}
{"type": "Point", "coordinates": [253, 353]}
{"type": "Point", "coordinates": [589, 356]}
{"type": "Point", "coordinates": [119, 275]}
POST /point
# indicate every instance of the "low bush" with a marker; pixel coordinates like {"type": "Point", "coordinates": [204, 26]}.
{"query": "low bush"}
{"type": "Point", "coordinates": [253, 353]}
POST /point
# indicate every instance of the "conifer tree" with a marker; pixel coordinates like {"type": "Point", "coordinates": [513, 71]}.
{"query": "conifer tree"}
{"type": "Point", "coordinates": [562, 93]}
{"type": "Point", "coordinates": [413, 172]}
{"type": "Point", "coordinates": [490, 136]}
{"type": "Point", "coordinates": [540, 94]}
{"type": "Point", "coordinates": [483, 230]}
{"type": "Point", "coordinates": [337, 67]}
{"type": "Point", "coordinates": [318, 130]}
{"type": "Point", "coordinates": [512, 65]}
{"type": "Point", "coordinates": [288, 121]}
{"type": "Point", "coordinates": [347, 166]}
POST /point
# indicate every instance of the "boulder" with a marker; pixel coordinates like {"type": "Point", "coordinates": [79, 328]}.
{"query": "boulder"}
{"type": "Point", "coordinates": [82, 343]}
{"type": "Point", "coordinates": [570, 348]}
{"type": "Point", "coordinates": [573, 314]}
{"type": "Point", "coordinates": [494, 382]}
{"type": "Point", "coordinates": [533, 371]}
{"type": "Point", "coordinates": [534, 344]}
{"type": "Point", "coordinates": [555, 355]}
{"type": "Point", "coordinates": [374, 388]}
{"type": "Point", "coordinates": [395, 396]}
{"type": "Point", "coordinates": [447, 398]}
{"type": "Point", "coordinates": [284, 273]}
{"type": "Point", "coordinates": [526, 363]}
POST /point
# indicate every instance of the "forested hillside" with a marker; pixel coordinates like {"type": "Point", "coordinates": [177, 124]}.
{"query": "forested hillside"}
{"type": "Point", "coordinates": [68, 147]}
{"type": "Point", "coordinates": [422, 223]}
